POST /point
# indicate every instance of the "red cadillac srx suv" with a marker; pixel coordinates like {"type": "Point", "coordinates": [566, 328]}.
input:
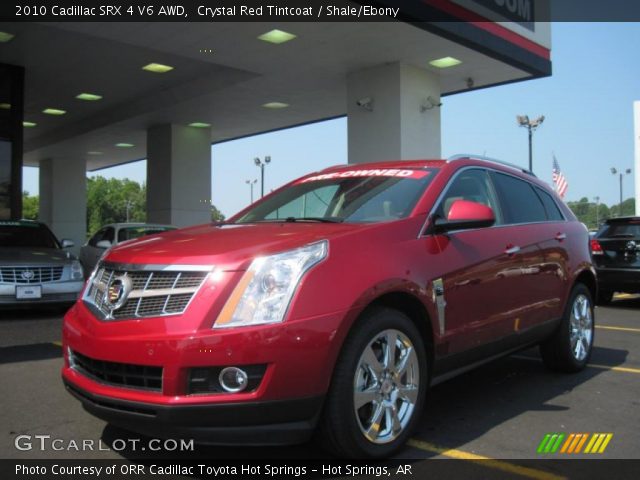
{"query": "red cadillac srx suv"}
{"type": "Point", "coordinates": [330, 305]}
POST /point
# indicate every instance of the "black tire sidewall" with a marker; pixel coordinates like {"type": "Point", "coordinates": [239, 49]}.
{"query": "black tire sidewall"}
{"type": "Point", "coordinates": [341, 407]}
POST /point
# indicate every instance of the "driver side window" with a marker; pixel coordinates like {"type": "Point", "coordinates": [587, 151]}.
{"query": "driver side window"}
{"type": "Point", "coordinates": [473, 185]}
{"type": "Point", "coordinates": [106, 233]}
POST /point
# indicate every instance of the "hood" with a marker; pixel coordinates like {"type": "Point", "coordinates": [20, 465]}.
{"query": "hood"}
{"type": "Point", "coordinates": [230, 247]}
{"type": "Point", "coordinates": [32, 256]}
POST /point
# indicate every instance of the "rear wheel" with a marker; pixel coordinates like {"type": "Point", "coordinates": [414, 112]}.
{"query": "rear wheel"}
{"type": "Point", "coordinates": [569, 348]}
{"type": "Point", "coordinates": [378, 387]}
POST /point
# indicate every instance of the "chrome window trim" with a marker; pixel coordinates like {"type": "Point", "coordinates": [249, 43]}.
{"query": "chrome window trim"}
{"type": "Point", "coordinates": [469, 156]}
{"type": "Point", "coordinates": [469, 167]}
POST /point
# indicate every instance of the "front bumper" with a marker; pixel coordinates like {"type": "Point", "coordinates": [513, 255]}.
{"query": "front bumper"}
{"type": "Point", "coordinates": [283, 422]}
{"type": "Point", "coordinates": [55, 292]}
{"type": "Point", "coordinates": [619, 279]}
{"type": "Point", "coordinates": [283, 409]}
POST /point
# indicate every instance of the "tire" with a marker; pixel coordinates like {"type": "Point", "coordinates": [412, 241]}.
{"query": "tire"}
{"type": "Point", "coordinates": [389, 405]}
{"type": "Point", "coordinates": [605, 297]}
{"type": "Point", "coordinates": [569, 347]}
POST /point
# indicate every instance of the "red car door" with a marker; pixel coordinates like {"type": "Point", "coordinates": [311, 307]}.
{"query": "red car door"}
{"type": "Point", "coordinates": [476, 273]}
{"type": "Point", "coordinates": [531, 233]}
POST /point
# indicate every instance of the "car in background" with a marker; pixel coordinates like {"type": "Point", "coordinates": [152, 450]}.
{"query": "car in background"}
{"type": "Point", "coordinates": [34, 266]}
{"type": "Point", "coordinates": [113, 234]}
{"type": "Point", "coordinates": [616, 255]}
{"type": "Point", "coordinates": [330, 305]}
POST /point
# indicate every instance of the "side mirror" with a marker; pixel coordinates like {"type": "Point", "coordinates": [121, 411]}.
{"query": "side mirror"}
{"type": "Point", "coordinates": [103, 244]}
{"type": "Point", "coordinates": [463, 215]}
{"type": "Point", "coordinates": [66, 243]}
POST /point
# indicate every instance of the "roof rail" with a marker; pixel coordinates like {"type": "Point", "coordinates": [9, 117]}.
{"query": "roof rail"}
{"type": "Point", "coordinates": [471, 156]}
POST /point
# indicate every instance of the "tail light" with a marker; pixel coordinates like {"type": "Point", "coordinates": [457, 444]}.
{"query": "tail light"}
{"type": "Point", "coordinates": [596, 248]}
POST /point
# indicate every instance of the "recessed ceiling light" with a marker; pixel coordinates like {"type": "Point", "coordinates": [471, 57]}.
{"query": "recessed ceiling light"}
{"type": "Point", "coordinates": [94, 152]}
{"type": "Point", "coordinates": [5, 106]}
{"type": "Point", "coordinates": [276, 36]}
{"type": "Point", "coordinates": [6, 37]}
{"type": "Point", "coordinates": [200, 125]}
{"type": "Point", "coordinates": [29, 124]}
{"type": "Point", "coordinates": [445, 62]}
{"type": "Point", "coordinates": [54, 111]}
{"type": "Point", "coordinates": [157, 68]}
{"type": "Point", "coordinates": [275, 105]}
{"type": "Point", "coordinates": [90, 97]}
{"type": "Point", "coordinates": [125, 145]}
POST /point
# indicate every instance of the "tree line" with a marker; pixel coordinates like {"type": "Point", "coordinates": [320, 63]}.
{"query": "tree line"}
{"type": "Point", "coordinates": [109, 200]}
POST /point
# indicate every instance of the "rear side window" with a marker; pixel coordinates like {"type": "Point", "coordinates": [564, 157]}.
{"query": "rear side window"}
{"type": "Point", "coordinates": [553, 212]}
{"type": "Point", "coordinates": [519, 202]}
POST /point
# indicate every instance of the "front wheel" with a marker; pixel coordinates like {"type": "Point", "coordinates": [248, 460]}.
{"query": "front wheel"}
{"type": "Point", "coordinates": [378, 387]}
{"type": "Point", "coordinates": [569, 348]}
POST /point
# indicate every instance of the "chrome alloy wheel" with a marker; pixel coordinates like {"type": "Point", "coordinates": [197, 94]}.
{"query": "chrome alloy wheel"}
{"type": "Point", "coordinates": [581, 334]}
{"type": "Point", "coordinates": [386, 386]}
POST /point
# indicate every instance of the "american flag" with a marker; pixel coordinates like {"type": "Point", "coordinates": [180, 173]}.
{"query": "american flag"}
{"type": "Point", "coordinates": [558, 179]}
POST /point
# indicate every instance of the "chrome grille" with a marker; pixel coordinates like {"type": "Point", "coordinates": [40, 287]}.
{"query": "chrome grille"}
{"type": "Point", "coordinates": [155, 290]}
{"type": "Point", "coordinates": [31, 275]}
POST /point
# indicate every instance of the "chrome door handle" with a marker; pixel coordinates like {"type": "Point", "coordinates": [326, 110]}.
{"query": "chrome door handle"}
{"type": "Point", "coordinates": [561, 236]}
{"type": "Point", "coordinates": [512, 250]}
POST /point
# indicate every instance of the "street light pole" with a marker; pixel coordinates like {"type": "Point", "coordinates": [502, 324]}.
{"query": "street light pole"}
{"type": "Point", "coordinates": [597, 199]}
{"type": "Point", "coordinates": [262, 164]}
{"type": "Point", "coordinates": [531, 126]}
{"type": "Point", "coordinates": [127, 205]}
{"type": "Point", "coordinates": [620, 174]}
{"type": "Point", "coordinates": [251, 183]}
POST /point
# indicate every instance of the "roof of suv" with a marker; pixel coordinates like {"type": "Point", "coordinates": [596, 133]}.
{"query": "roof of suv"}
{"type": "Point", "coordinates": [623, 219]}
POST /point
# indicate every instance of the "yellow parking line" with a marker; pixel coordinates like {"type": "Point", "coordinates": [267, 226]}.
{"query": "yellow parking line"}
{"type": "Point", "coordinates": [617, 369]}
{"type": "Point", "coordinates": [58, 343]}
{"type": "Point", "coordinates": [623, 295]}
{"type": "Point", "coordinates": [622, 329]}
{"type": "Point", "coordinates": [592, 365]}
{"type": "Point", "coordinates": [488, 462]}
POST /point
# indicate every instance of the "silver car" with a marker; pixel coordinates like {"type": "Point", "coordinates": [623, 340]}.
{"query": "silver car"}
{"type": "Point", "coordinates": [113, 234]}
{"type": "Point", "coordinates": [34, 267]}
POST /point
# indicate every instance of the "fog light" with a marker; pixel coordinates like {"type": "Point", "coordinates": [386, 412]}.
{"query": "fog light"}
{"type": "Point", "coordinates": [233, 379]}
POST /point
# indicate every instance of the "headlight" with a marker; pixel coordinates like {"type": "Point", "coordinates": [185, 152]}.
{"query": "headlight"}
{"type": "Point", "coordinates": [76, 270]}
{"type": "Point", "coordinates": [265, 290]}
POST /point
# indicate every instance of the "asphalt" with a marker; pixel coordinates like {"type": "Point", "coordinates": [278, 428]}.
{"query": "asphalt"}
{"type": "Point", "coordinates": [500, 411]}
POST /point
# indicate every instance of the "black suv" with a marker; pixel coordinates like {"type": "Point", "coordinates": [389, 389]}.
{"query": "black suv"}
{"type": "Point", "coordinates": [616, 255]}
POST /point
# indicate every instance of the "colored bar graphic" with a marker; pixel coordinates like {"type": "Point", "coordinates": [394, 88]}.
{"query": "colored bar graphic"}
{"type": "Point", "coordinates": [574, 443]}
{"type": "Point", "coordinates": [550, 443]}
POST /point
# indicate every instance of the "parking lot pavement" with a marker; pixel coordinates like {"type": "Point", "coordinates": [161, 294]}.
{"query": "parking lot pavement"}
{"type": "Point", "coordinates": [501, 411]}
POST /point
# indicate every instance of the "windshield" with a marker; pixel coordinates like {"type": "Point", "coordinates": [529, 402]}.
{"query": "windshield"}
{"type": "Point", "coordinates": [26, 235]}
{"type": "Point", "coordinates": [345, 196]}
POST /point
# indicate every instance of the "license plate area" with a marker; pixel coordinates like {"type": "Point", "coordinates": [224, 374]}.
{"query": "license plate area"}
{"type": "Point", "coordinates": [28, 292]}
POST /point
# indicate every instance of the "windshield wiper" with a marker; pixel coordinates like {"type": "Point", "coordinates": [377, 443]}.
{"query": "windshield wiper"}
{"type": "Point", "coordinates": [314, 219]}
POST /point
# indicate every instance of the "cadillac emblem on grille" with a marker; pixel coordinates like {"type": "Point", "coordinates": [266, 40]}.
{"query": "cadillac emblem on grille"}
{"type": "Point", "coordinates": [117, 292]}
{"type": "Point", "coordinates": [27, 275]}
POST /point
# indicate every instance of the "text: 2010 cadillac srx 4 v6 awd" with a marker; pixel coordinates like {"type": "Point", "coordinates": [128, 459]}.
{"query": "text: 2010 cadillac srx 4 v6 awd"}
{"type": "Point", "coordinates": [330, 305]}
